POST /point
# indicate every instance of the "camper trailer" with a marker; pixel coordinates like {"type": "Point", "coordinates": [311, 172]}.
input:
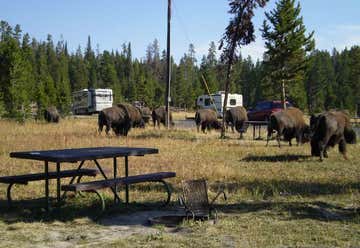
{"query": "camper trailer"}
{"type": "Point", "coordinates": [89, 101]}
{"type": "Point", "coordinates": [216, 101]}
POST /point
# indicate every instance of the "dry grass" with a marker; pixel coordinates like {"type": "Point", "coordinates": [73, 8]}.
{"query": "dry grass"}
{"type": "Point", "coordinates": [277, 197]}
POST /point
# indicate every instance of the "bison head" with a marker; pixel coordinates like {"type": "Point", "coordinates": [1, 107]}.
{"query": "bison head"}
{"type": "Point", "coordinates": [216, 125]}
{"type": "Point", "coordinates": [315, 149]}
{"type": "Point", "coordinates": [306, 134]}
{"type": "Point", "coordinates": [350, 136]}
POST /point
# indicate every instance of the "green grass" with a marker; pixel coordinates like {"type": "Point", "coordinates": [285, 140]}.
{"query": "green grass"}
{"type": "Point", "coordinates": [276, 197]}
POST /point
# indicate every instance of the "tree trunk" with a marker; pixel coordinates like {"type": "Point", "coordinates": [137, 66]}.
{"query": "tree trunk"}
{"type": "Point", "coordinates": [283, 95]}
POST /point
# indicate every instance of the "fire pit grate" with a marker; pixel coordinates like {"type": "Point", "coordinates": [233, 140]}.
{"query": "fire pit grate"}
{"type": "Point", "coordinates": [167, 220]}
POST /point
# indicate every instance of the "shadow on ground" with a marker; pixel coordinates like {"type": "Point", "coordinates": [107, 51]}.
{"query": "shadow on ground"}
{"type": "Point", "coordinates": [270, 188]}
{"type": "Point", "coordinates": [276, 158]}
{"type": "Point", "coordinates": [317, 210]}
{"type": "Point", "coordinates": [29, 211]}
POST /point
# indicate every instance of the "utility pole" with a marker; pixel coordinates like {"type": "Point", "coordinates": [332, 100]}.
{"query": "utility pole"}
{"type": "Point", "coordinates": [168, 74]}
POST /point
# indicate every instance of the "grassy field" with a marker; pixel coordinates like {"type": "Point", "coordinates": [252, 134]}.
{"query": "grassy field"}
{"type": "Point", "coordinates": [276, 197]}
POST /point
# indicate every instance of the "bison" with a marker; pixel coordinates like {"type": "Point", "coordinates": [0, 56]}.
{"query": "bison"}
{"type": "Point", "coordinates": [236, 117]}
{"type": "Point", "coordinates": [159, 116]}
{"type": "Point", "coordinates": [329, 129]}
{"type": "Point", "coordinates": [207, 119]}
{"type": "Point", "coordinates": [115, 118]}
{"type": "Point", "coordinates": [145, 113]}
{"type": "Point", "coordinates": [51, 114]}
{"type": "Point", "coordinates": [133, 115]}
{"type": "Point", "coordinates": [290, 124]}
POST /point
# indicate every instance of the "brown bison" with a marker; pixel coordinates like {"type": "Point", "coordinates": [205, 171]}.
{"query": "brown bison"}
{"type": "Point", "coordinates": [115, 118]}
{"type": "Point", "coordinates": [51, 114]}
{"type": "Point", "coordinates": [207, 119]}
{"type": "Point", "coordinates": [329, 129]}
{"type": "Point", "coordinates": [236, 117]}
{"type": "Point", "coordinates": [145, 113]}
{"type": "Point", "coordinates": [290, 124]}
{"type": "Point", "coordinates": [133, 115]}
{"type": "Point", "coordinates": [159, 116]}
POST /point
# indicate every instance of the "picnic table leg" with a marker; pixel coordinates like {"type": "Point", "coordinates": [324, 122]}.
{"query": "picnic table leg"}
{"type": "Point", "coordinates": [47, 185]}
{"type": "Point", "coordinates": [58, 183]}
{"type": "Point", "coordinates": [115, 175]}
{"type": "Point", "coordinates": [104, 175]}
{"type": "Point", "coordinates": [126, 175]}
{"type": "Point", "coordinates": [73, 178]}
{"type": "Point", "coordinates": [253, 131]}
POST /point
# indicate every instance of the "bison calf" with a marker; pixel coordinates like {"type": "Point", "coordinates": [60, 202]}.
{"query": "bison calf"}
{"type": "Point", "coordinates": [207, 119]}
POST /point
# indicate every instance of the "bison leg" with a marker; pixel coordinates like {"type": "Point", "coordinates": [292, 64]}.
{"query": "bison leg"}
{"type": "Point", "coordinates": [242, 136]}
{"type": "Point", "coordinates": [107, 129]}
{"type": "Point", "coordinates": [269, 135]}
{"type": "Point", "coordinates": [342, 148]}
{"type": "Point", "coordinates": [100, 128]}
{"type": "Point", "coordinates": [203, 127]}
{"type": "Point", "coordinates": [322, 148]}
{"type": "Point", "coordinates": [325, 153]}
{"type": "Point", "coordinates": [278, 137]}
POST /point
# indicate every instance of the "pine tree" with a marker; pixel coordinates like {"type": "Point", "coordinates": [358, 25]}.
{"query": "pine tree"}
{"type": "Point", "coordinates": [239, 32]}
{"type": "Point", "coordinates": [286, 48]}
{"type": "Point", "coordinates": [78, 71]}
{"type": "Point", "coordinates": [63, 86]}
{"type": "Point", "coordinates": [108, 75]}
{"type": "Point", "coordinates": [45, 92]}
{"type": "Point", "coordinates": [320, 82]}
{"type": "Point", "coordinates": [91, 65]}
{"type": "Point", "coordinates": [208, 70]}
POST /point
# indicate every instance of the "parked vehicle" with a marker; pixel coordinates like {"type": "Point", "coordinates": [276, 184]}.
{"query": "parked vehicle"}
{"type": "Point", "coordinates": [216, 101]}
{"type": "Point", "coordinates": [89, 101]}
{"type": "Point", "coordinates": [264, 109]}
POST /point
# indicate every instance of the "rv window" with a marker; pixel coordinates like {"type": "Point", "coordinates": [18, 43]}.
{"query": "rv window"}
{"type": "Point", "coordinates": [207, 101]}
{"type": "Point", "coordinates": [200, 99]}
{"type": "Point", "coordinates": [232, 102]}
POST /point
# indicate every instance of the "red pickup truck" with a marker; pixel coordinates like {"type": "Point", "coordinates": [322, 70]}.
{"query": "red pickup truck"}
{"type": "Point", "coordinates": [264, 109]}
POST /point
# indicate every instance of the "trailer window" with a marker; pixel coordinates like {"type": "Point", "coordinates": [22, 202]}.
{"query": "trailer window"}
{"type": "Point", "coordinates": [232, 102]}
{"type": "Point", "coordinates": [207, 101]}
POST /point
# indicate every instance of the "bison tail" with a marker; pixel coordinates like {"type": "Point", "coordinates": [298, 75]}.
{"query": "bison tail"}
{"type": "Point", "coordinates": [350, 136]}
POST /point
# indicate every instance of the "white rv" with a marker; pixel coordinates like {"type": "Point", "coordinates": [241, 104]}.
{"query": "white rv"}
{"type": "Point", "coordinates": [216, 101]}
{"type": "Point", "coordinates": [89, 101]}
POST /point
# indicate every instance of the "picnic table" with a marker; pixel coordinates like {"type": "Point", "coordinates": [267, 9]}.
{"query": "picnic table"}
{"type": "Point", "coordinates": [81, 155]}
{"type": "Point", "coordinates": [257, 124]}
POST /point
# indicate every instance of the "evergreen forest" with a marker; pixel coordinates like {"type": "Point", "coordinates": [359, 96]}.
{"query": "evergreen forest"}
{"type": "Point", "coordinates": [43, 73]}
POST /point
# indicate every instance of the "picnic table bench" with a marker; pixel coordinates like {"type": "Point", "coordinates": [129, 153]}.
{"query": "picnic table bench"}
{"type": "Point", "coordinates": [73, 155]}
{"type": "Point", "coordinates": [26, 178]}
{"type": "Point", "coordinates": [93, 186]}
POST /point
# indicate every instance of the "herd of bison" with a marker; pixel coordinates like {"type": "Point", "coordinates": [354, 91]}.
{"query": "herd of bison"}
{"type": "Point", "coordinates": [325, 130]}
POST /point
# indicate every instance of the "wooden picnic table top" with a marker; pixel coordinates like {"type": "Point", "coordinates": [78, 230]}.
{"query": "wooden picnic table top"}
{"type": "Point", "coordinates": [257, 122]}
{"type": "Point", "coordinates": [80, 154]}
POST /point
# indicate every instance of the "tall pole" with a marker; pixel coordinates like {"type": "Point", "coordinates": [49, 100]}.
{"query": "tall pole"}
{"type": "Point", "coordinates": [168, 75]}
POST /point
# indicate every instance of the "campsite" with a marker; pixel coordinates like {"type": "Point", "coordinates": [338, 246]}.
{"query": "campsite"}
{"type": "Point", "coordinates": [274, 196]}
{"type": "Point", "coordinates": [179, 123]}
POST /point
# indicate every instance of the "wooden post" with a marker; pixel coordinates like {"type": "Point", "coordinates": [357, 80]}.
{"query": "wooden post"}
{"type": "Point", "coordinates": [168, 74]}
{"type": "Point", "coordinates": [283, 93]}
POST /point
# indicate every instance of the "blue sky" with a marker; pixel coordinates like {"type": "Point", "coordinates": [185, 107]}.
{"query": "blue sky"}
{"type": "Point", "coordinates": [110, 23]}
